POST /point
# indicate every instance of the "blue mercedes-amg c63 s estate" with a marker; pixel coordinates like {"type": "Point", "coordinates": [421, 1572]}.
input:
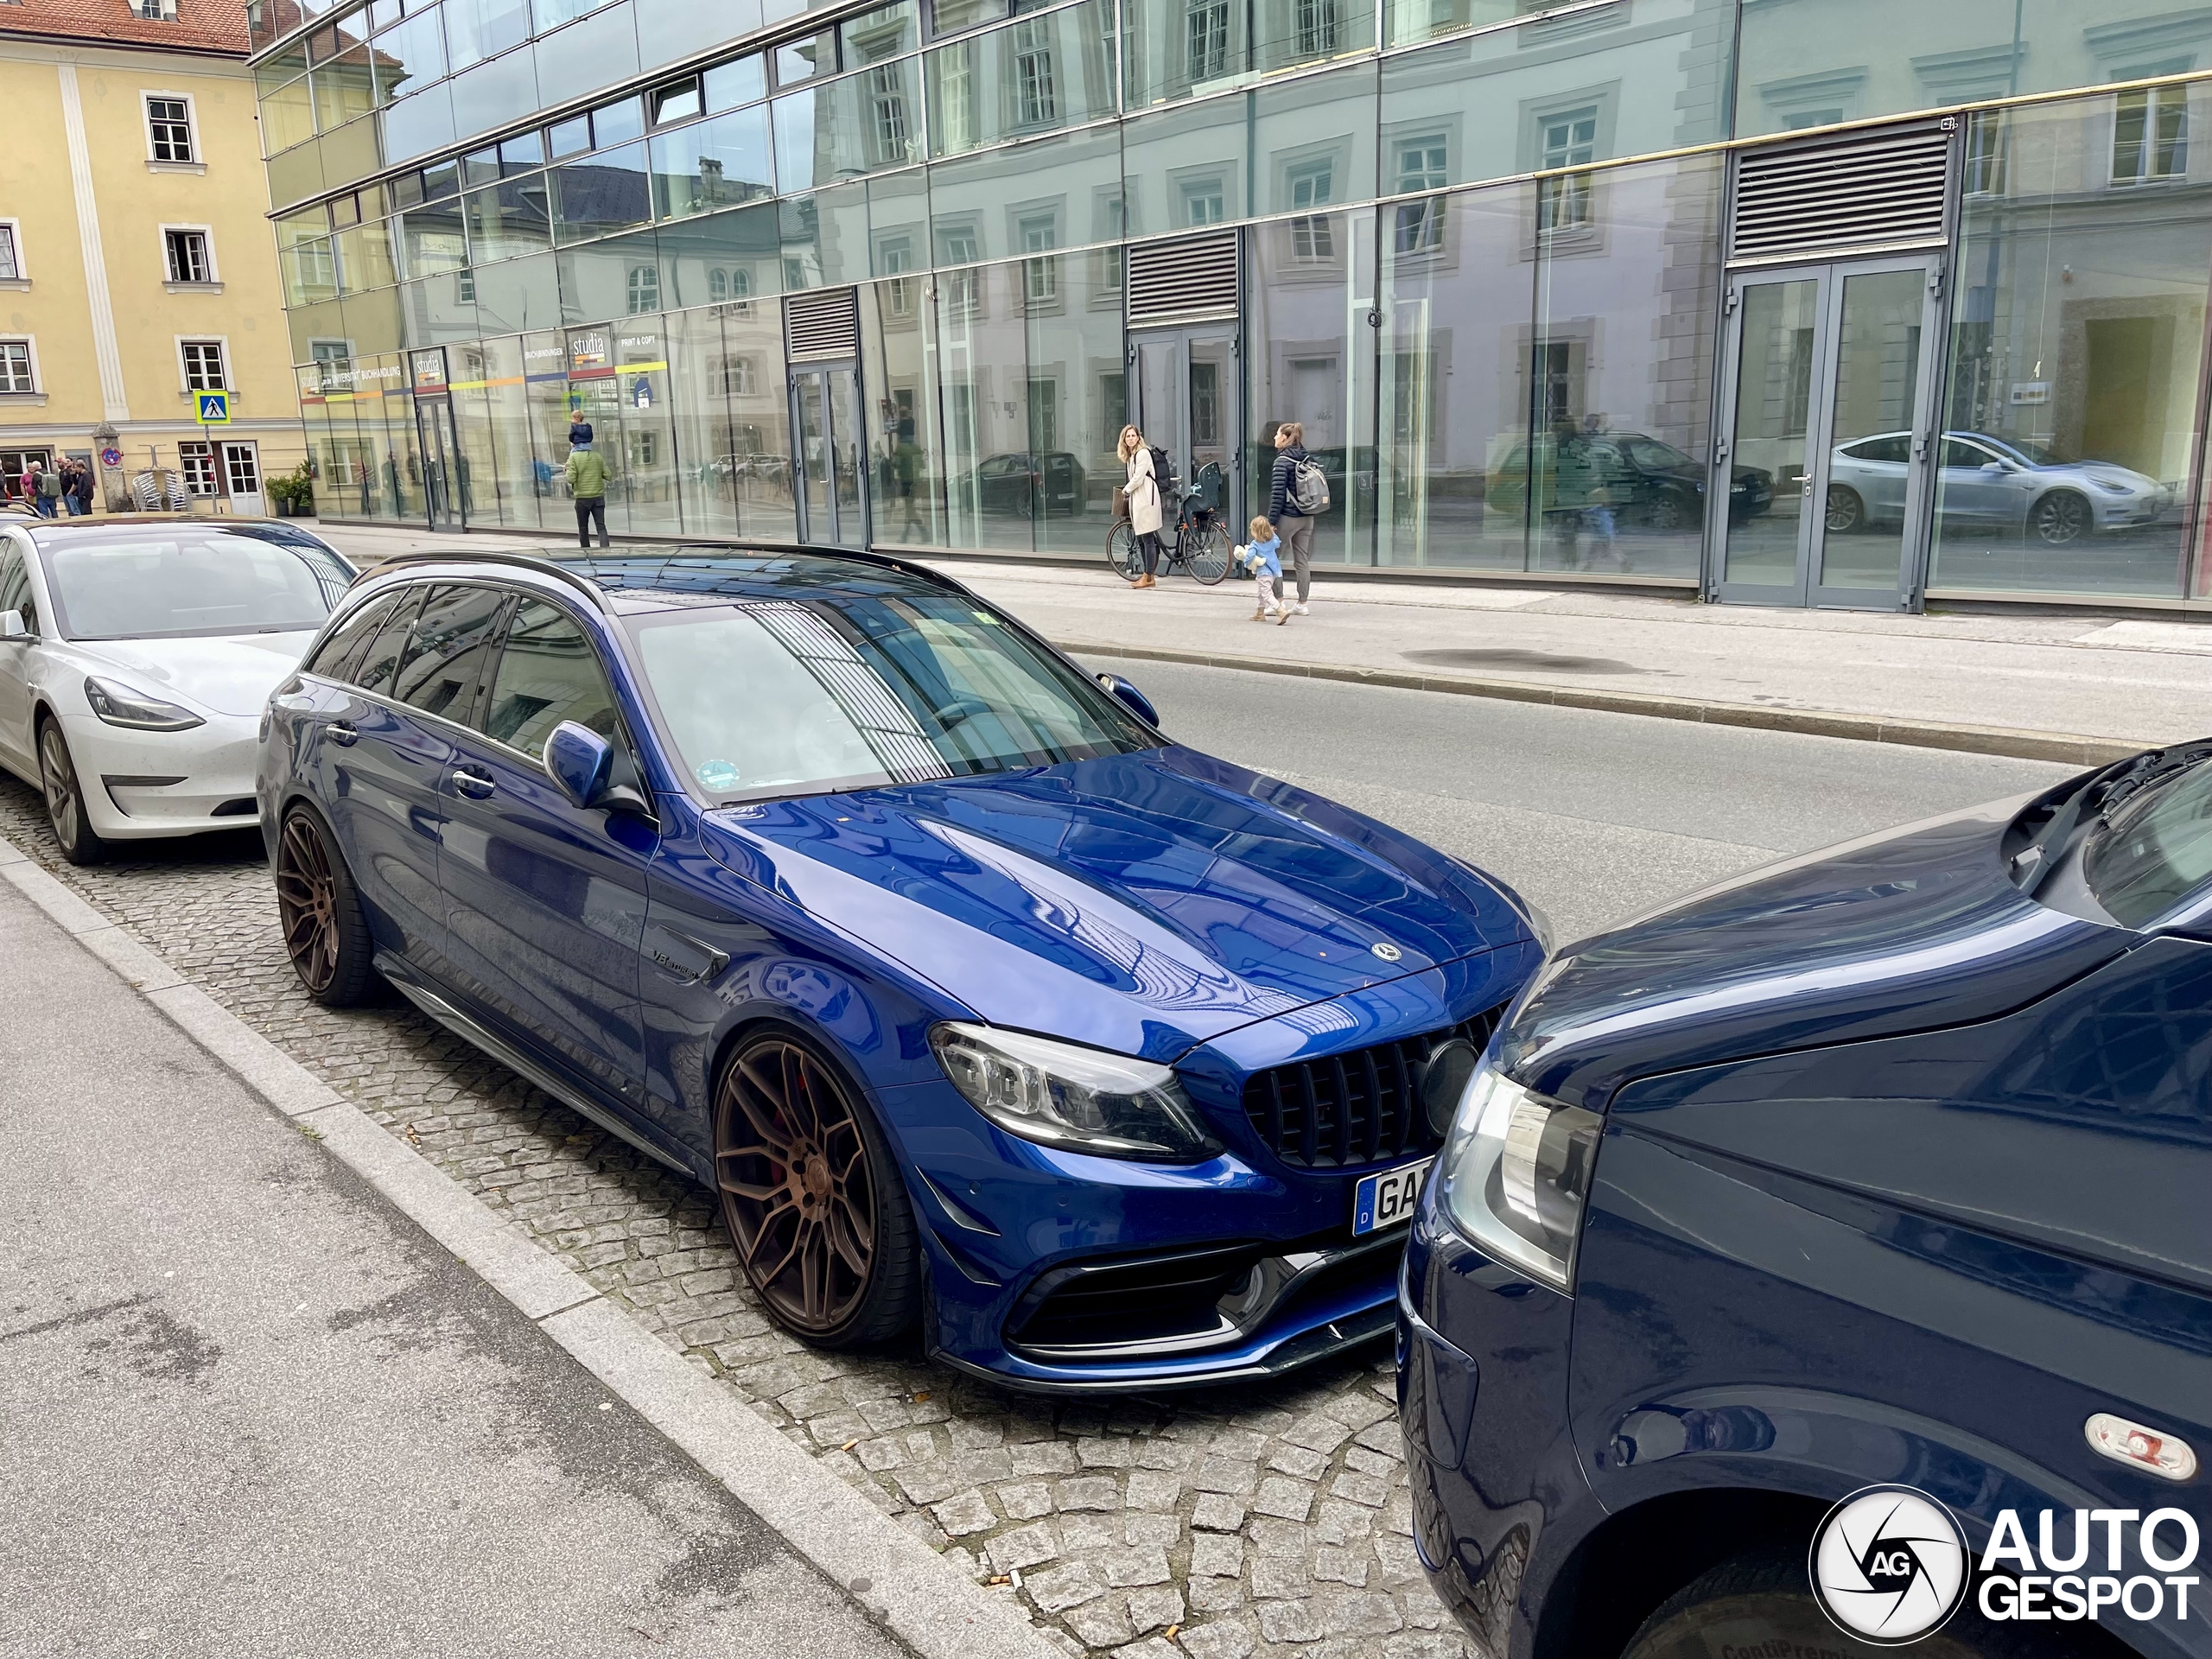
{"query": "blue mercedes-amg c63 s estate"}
{"type": "Point", "coordinates": [979, 1001]}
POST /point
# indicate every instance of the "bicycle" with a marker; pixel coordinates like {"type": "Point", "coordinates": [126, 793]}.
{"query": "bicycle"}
{"type": "Point", "coordinates": [1200, 547]}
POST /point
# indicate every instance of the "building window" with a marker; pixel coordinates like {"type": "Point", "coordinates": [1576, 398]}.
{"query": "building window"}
{"type": "Point", "coordinates": [1036, 97]}
{"type": "Point", "coordinates": [964, 294]}
{"type": "Point", "coordinates": [1205, 38]}
{"type": "Point", "coordinates": [955, 97]}
{"type": "Point", "coordinates": [16, 365]}
{"type": "Point", "coordinates": [896, 257]}
{"type": "Point", "coordinates": [1202, 202]}
{"type": "Point", "coordinates": [1112, 218]}
{"type": "Point", "coordinates": [464, 286]}
{"type": "Point", "coordinates": [12, 266]}
{"type": "Point", "coordinates": [1044, 416]}
{"type": "Point", "coordinates": [741, 377]}
{"type": "Point", "coordinates": [1317, 27]}
{"type": "Point", "coordinates": [1985, 169]}
{"type": "Point", "coordinates": [187, 255]}
{"type": "Point", "coordinates": [199, 461]}
{"type": "Point", "coordinates": [644, 289]}
{"type": "Point", "coordinates": [203, 365]}
{"type": "Point", "coordinates": [886, 103]}
{"type": "Point", "coordinates": [1567, 139]}
{"type": "Point", "coordinates": [1314, 236]}
{"type": "Point", "coordinates": [2150, 136]}
{"type": "Point", "coordinates": [170, 121]}
{"type": "Point", "coordinates": [717, 286]}
{"type": "Point", "coordinates": [1421, 166]}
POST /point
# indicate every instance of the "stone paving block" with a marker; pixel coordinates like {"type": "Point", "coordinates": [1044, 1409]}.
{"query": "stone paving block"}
{"type": "Point", "coordinates": [1292, 1500]}
{"type": "Point", "coordinates": [1043, 1458]}
{"type": "Point", "coordinates": [1123, 1568]}
{"type": "Point", "coordinates": [1280, 1576]}
{"type": "Point", "coordinates": [1215, 1556]}
{"type": "Point", "coordinates": [1233, 1476]}
{"type": "Point", "coordinates": [1058, 1588]}
{"type": "Point", "coordinates": [1360, 1489]}
{"type": "Point", "coordinates": [1367, 1614]}
{"type": "Point", "coordinates": [968, 1513]}
{"type": "Point", "coordinates": [1218, 1639]}
{"type": "Point", "coordinates": [1340, 1522]}
{"type": "Point", "coordinates": [1330, 1564]}
{"type": "Point", "coordinates": [1092, 1492]}
{"type": "Point", "coordinates": [1289, 1621]}
{"type": "Point", "coordinates": [1025, 1547]}
{"type": "Point", "coordinates": [1153, 1489]}
{"type": "Point", "coordinates": [1025, 1500]}
{"type": "Point", "coordinates": [1156, 1608]}
{"type": "Point", "coordinates": [1297, 1460]}
{"type": "Point", "coordinates": [1103, 1623]}
{"type": "Point", "coordinates": [1218, 1513]}
{"type": "Point", "coordinates": [1215, 1595]}
{"type": "Point", "coordinates": [1139, 1529]}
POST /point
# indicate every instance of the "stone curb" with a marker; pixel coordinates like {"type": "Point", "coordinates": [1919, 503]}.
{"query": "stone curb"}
{"type": "Point", "coordinates": [933, 1606]}
{"type": "Point", "coordinates": [2068, 748]}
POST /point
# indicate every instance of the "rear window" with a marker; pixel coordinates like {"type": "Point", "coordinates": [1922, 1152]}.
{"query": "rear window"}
{"type": "Point", "coordinates": [2156, 850]}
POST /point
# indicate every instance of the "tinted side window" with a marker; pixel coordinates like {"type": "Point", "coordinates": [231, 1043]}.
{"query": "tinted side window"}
{"type": "Point", "coordinates": [338, 654]}
{"type": "Point", "coordinates": [1891, 449]}
{"type": "Point", "coordinates": [548, 673]}
{"type": "Point", "coordinates": [455, 631]}
{"type": "Point", "coordinates": [382, 658]}
{"type": "Point", "coordinates": [1965, 454]}
{"type": "Point", "coordinates": [16, 586]}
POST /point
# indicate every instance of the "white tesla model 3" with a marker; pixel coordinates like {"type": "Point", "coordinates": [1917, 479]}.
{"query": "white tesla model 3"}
{"type": "Point", "coordinates": [135, 657]}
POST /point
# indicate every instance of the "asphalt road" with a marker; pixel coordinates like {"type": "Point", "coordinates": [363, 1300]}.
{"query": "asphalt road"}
{"type": "Point", "coordinates": [247, 1409]}
{"type": "Point", "coordinates": [1594, 816]}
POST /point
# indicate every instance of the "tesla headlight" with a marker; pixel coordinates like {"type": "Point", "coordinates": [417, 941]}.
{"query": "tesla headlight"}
{"type": "Point", "coordinates": [2113, 487]}
{"type": "Point", "coordinates": [119, 705]}
{"type": "Point", "coordinates": [1061, 1095]}
{"type": "Point", "coordinates": [1516, 1171]}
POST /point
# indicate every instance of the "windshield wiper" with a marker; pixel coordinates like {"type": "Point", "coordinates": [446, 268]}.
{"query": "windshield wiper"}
{"type": "Point", "coordinates": [2094, 800]}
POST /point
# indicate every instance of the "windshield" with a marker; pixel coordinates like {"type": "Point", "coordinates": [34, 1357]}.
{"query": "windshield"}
{"type": "Point", "coordinates": [797, 696]}
{"type": "Point", "coordinates": [2156, 850]}
{"type": "Point", "coordinates": [176, 581]}
{"type": "Point", "coordinates": [2027, 449]}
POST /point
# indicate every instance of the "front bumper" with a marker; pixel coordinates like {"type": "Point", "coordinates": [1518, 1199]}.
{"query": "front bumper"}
{"type": "Point", "coordinates": [143, 785]}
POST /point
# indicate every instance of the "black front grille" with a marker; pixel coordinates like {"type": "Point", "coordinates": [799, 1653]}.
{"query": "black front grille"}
{"type": "Point", "coordinates": [1149, 1299]}
{"type": "Point", "coordinates": [245, 807]}
{"type": "Point", "coordinates": [1362, 1107]}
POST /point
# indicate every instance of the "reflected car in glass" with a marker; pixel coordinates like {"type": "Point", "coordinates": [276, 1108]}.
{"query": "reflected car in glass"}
{"type": "Point", "coordinates": [982, 1005]}
{"type": "Point", "coordinates": [1030, 484]}
{"type": "Point", "coordinates": [1647, 483]}
{"type": "Point", "coordinates": [1882, 1166]}
{"type": "Point", "coordinates": [135, 656]}
{"type": "Point", "coordinates": [2004, 485]}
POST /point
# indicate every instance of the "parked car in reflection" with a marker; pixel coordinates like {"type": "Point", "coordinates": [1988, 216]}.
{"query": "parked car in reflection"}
{"type": "Point", "coordinates": [2004, 484]}
{"type": "Point", "coordinates": [1647, 482]}
{"type": "Point", "coordinates": [1028, 483]}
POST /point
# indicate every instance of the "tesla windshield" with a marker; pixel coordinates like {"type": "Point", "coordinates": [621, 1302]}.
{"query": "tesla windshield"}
{"type": "Point", "coordinates": [178, 580]}
{"type": "Point", "coordinates": [796, 696]}
{"type": "Point", "coordinates": [2155, 850]}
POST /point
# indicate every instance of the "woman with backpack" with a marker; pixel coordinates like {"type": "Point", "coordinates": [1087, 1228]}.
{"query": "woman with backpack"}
{"type": "Point", "coordinates": [1297, 495]}
{"type": "Point", "coordinates": [1141, 492]}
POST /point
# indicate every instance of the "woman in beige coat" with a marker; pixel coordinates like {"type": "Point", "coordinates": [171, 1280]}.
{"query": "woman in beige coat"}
{"type": "Point", "coordinates": [1141, 492]}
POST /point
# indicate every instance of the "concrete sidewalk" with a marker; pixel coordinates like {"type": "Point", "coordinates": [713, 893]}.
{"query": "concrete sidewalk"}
{"type": "Point", "coordinates": [247, 1408]}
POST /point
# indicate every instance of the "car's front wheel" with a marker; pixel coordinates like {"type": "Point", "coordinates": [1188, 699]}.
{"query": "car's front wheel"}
{"type": "Point", "coordinates": [326, 931]}
{"type": "Point", "coordinates": [2060, 519]}
{"type": "Point", "coordinates": [812, 1199]}
{"type": "Point", "coordinates": [65, 798]}
{"type": "Point", "coordinates": [1847, 512]}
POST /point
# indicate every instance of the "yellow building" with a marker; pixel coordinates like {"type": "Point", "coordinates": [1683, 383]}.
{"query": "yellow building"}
{"type": "Point", "coordinates": [136, 264]}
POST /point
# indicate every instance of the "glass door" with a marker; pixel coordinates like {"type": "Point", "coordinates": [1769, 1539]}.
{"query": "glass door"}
{"type": "Point", "coordinates": [1821, 487]}
{"type": "Point", "coordinates": [1188, 402]}
{"type": "Point", "coordinates": [440, 444]}
{"type": "Point", "coordinates": [826, 433]}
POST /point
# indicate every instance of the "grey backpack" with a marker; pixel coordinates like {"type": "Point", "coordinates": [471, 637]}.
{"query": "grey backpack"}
{"type": "Point", "coordinates": [1309, 487]}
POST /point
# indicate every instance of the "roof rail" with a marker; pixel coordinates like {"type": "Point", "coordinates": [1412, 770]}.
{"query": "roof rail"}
{"type": "Point", "coordinates": [543, 567]}
{"type": "Point", "coordinates": [560, 568]}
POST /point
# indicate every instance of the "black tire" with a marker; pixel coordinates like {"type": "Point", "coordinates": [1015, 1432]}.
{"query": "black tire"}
{"type": "Point", "coordinates": [2060, 518]}
{"type": "Point", "coordinates": [1121, 551]}
{"type": "Point", "coordinates": [1205, 555]}
{"type": "Point", "coordinates": [1763, 1603]}
{"type": "Point", "coordinates": [65, 798]}
{"type": "Point", "coordinates": [1667, 512]}
{"type": "Point", "coordinates": [319, 909]}
{"type": "Point", "coordinates": [812, 1199]}
{"type": "Point", "coordinates": [1847, 512]}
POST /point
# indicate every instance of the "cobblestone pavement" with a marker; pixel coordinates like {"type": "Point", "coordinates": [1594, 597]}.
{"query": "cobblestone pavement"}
{"type": "Point", "coordinates": [1269, 1521]}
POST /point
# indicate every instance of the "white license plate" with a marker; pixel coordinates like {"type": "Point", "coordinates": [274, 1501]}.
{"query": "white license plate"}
{"type": "Point", "coordinates": [1386, 1197]}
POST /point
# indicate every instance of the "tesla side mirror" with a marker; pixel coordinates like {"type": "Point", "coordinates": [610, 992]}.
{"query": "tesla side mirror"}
{"type": "Point", "coordinates": [1132, 699]}
{"type": "Point", "coordinates": [580, 762]}
{"type": "Point", "coordinates": [1996, 468]}
{"type": "Point", "coordinates": [11, 626]}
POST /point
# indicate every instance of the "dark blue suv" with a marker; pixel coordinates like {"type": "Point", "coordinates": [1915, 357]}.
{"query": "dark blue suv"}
{"type": "Point", "coordinates": [982, 1006]}
{"type": "Point", "coordinates": [1823, 1264]}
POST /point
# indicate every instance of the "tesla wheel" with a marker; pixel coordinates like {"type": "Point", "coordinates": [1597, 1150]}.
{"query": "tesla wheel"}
{"type": "Point", "coordinates": [326, 934]}
{"type": "Point", "coordinates": [812, 1198]}
{"type": "Point", "coordinates": [1206, 555]}
{"type": "Point", "coordinates": [2061, 518]}
{"type": "Point", "coordinates": [65, 798]}
{"type": "Point", "coordinates": [1121, 551]}
{"type": "Point", "coordinates": [1847, 512]}
{"type": "Point", "coordinates": [1763, 1603]}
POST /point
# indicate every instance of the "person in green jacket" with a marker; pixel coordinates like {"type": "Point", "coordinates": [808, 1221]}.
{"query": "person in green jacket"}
{"type": "Point", "coordinates": [587, 484]}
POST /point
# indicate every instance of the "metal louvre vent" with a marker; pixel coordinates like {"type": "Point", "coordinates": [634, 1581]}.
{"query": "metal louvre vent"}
{"type": "Point", "coordinates": [1191, 278]}
{"type": "Point", "coordinates": [1865, 193]}
{"type": "Point", "coordinates": [823, 325]}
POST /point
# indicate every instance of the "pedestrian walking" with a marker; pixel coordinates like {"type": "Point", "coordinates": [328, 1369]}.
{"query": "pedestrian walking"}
{"type": "Point", "coordinates": [43, 486]}
{"type": "Point", "coordinates": [587, 484]}
{"type": "Point", "coordinates": [1262, 556]}
{"type": "Point", "coordinates": [1142, 491]}
{"type": "Point", "coordinates": [1297, 495]}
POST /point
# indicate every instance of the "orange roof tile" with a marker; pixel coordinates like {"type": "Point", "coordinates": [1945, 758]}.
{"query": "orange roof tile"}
{"type": "Point", "coordinates": [217, 26]}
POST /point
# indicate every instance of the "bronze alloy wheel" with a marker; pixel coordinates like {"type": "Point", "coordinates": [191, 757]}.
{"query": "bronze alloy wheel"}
{"type": "Point", "coordinates": [306, 903]}
{"type": "Point", "coordinates": [65, 798]}
{"type": "Point", "coordinates": [799, 1189]}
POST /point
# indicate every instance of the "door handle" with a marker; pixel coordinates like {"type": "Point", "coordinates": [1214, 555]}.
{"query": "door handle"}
{"type": "Point", "coordinates": [343, 733]}
{"type": "Point", "coordinates": [475, 785]}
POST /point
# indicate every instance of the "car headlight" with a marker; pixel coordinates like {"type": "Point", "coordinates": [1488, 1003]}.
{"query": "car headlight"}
{"type": "Point", "coordinates": [1062, 1094]}
{"type": "Point", "coordinates": [1516, 1174]}
{"type": "Point", "coordinates": [2113, 487]}
{"type": "Point", "coordinates": [119, 705]}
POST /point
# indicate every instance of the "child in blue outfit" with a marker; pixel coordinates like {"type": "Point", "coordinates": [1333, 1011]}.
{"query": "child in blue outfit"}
{"type": "Point", "coordinates": [1263, 558]}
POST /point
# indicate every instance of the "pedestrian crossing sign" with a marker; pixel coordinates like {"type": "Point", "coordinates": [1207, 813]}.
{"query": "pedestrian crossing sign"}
{"type": "Point", "coordinates": [214, 407]}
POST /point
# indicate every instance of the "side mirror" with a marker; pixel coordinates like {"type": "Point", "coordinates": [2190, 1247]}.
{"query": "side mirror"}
{"type": "Point", "coordinates": [1996, 468]}
{"type": "Point", "coordinates": [1132, 699]}
{"type": "Point", "coordinates": [11, 626]}
{"type": "Point", "coordinates": [580, 762]}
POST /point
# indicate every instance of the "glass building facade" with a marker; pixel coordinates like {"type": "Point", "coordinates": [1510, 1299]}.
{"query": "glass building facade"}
{"type": "Point", "coordinates": [1779, 300]}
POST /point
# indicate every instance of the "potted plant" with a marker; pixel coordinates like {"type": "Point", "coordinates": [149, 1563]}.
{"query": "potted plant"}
{"type": "Point", "coordinates": [293, 492]}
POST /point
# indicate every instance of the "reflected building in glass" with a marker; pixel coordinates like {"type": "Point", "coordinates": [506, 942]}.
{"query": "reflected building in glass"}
{"type": "Point", "coordinates": [1777, 302]}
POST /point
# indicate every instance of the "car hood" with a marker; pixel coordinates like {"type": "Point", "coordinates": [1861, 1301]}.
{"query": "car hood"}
{"type": "Point", "coordinates": [232, 674]}
{"type": "Point", "coordinates": [2106, 472]}
{"type": "Point", "coordinates": [1141, 903]}
{"type": "Point", "coordinates": [1904, 930]}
